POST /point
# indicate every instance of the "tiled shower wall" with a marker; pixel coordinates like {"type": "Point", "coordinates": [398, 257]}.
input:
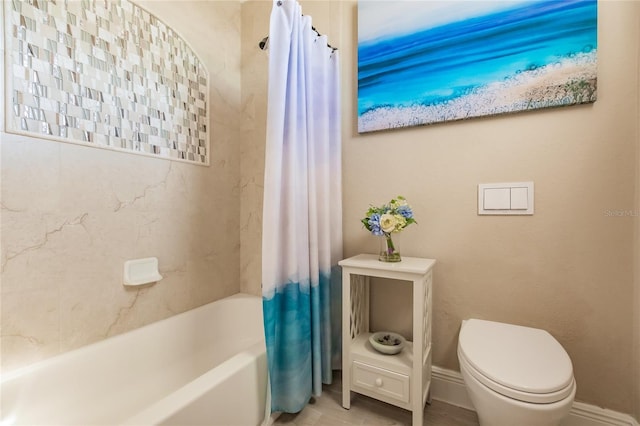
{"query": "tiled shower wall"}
{"type": "Point", "coordinates": [255, 65]}
{"type": "Point", "coordinates": [105, 73]}
{"type": "Point", "coordinates": [71, 215]}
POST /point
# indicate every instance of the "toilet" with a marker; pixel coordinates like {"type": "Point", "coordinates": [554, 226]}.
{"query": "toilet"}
{"type": "Point", "coordinates": [515, 375]}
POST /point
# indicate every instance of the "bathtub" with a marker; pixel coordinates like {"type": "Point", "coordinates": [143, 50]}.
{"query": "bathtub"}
{"type": "Point", "coordinates": [206, 366]}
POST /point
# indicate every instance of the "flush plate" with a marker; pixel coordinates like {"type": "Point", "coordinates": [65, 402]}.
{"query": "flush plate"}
{"type": "Point", "coordinates": [511, 198]}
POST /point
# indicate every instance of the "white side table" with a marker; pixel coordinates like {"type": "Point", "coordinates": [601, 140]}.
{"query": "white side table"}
{"type": "Point", "coordinates": [403, 379]}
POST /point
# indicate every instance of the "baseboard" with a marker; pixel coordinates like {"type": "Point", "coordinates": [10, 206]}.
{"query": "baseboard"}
{"type": "Point", "coordinates": [448, 386]}
{"type": "Point", "coordinates": [590, 415]}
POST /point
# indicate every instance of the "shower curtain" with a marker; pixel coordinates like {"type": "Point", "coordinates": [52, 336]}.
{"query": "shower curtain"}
{"type": "Point", "coordinates": [302, 210]}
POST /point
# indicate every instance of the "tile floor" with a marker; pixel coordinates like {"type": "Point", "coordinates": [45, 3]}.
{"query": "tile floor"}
{"type": "Point", "coordinates": [327, 410]}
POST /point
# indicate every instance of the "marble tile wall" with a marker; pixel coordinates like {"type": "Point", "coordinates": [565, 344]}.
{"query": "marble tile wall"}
{"type": "Point", "coordinates": [71, 215]}
{"type": "Point", "coordinates": [253, 130]}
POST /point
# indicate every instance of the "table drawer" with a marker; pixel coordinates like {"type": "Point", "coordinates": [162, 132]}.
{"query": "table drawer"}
{"type": "Point", "coordinates": [384, 382]}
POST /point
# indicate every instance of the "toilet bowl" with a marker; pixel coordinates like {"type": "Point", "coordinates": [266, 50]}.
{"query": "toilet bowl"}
{"type": "Point", "coordinates": [515, 375]}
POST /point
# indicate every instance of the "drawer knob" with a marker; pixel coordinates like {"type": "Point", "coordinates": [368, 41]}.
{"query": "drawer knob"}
{"type": "Point", "coordinates": [378, 382]}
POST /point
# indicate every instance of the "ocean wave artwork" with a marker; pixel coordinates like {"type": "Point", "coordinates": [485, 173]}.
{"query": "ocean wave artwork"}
{"type": "Point", "coordinates": [425, 61]}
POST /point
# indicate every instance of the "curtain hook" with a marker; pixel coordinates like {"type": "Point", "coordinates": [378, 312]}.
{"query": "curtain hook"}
{"type": "Point", "coordinates": [264, 43]}
{"type": "Point", "coordinates": [279, 3]}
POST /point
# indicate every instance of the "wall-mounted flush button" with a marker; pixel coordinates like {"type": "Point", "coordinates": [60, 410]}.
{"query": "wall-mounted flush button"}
{"type": "Point", "coordinates": [514, 198]}
{"type": "Point", "coordinates": [497, 198]}
{"type": "Point", "coordinates": [519, 198]}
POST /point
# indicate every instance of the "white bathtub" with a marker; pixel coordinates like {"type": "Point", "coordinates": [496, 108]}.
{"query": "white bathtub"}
{"type": "Point", "coordinates": [206, 366]}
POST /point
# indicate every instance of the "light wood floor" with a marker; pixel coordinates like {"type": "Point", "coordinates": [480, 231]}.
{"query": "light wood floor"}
{"type": "Point", "coordinates": [327, 410]}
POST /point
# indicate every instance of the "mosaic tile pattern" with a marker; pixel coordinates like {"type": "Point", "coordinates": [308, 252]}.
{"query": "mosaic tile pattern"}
{"type": "Point", "coordinates": [104, 73]}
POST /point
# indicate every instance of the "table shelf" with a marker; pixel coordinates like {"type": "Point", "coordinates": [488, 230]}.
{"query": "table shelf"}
{"type": "Point", "coordinates": [403, 379]}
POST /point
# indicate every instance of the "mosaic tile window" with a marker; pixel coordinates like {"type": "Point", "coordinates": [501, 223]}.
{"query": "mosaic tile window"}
{"type": "Point", "coordinates": [105, 73]}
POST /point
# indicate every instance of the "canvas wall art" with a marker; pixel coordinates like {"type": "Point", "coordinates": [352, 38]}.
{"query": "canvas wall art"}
{"type": "Point", "coordinates": [423, 62]}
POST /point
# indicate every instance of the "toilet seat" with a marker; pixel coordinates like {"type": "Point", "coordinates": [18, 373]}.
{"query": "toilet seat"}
{"type": "Point", "coordinates": [522, 363]}
{"type": "Point", "coordinates": [535, 398]}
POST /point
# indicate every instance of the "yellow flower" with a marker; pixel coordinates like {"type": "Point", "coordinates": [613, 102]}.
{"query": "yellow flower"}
{"type": "Point", "coordinates": [401, 222]}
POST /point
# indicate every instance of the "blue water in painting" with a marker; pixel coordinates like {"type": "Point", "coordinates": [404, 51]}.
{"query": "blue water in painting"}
{"type": "Point", "coordinates": [442, 63]}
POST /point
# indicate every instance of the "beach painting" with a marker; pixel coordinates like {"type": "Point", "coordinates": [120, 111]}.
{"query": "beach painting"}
{"type": "Point", "coordinates": [423, 61]}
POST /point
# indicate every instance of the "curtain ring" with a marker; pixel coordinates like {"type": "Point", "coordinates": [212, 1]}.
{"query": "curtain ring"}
{"type": "Point", "coordinates": [279, 3]}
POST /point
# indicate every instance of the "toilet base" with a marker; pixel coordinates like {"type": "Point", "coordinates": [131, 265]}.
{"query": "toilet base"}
{"type": "Point", "coordinates": [494, 409]}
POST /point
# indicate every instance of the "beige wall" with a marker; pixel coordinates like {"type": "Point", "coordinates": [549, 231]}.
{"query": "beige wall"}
{"type": "Point", "coordinates": [636, 298]}
{"type": "Point", "coordinates": [567, 269]}
{"type": "Point", "coordinates": [71, 215]}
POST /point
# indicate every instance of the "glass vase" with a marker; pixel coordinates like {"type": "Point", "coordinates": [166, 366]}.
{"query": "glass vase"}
{"type": "Point", "coordinates": [388, 250]}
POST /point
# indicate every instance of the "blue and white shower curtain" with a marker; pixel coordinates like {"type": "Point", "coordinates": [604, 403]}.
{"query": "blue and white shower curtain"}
{"type": "Point", "coordinates": [302, 211]}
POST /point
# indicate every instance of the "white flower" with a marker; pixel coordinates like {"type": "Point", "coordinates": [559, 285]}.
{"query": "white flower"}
{"type": "Point", "coordinates": [388, 222]}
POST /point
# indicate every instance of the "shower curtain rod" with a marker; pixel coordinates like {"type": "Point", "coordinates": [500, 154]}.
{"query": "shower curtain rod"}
{"type": "Point", "coordinates": [265, 41]}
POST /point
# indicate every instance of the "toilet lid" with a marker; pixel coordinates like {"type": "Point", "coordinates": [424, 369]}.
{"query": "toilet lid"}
{"type": "Point", "coordinates": [525, 360]}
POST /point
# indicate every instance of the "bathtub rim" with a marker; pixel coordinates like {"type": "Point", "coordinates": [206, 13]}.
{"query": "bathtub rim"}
{"type": "Point", "coordinates": [159, 411]}
{"type": "Point", "coordinates": [10, 375]}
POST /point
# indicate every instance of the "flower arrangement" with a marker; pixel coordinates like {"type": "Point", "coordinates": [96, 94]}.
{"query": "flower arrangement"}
{"type": "Point", "coordinates": [389, 219]}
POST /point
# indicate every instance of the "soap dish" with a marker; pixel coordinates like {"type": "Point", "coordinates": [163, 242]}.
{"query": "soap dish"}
{"type": "Point", "coordinates": [141, 271]}
{"type": "Point", "coordinates": [387, 342]}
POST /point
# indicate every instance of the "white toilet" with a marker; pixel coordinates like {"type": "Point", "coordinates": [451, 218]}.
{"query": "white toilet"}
{"type": "Point", "coordinates": [515, 375]}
